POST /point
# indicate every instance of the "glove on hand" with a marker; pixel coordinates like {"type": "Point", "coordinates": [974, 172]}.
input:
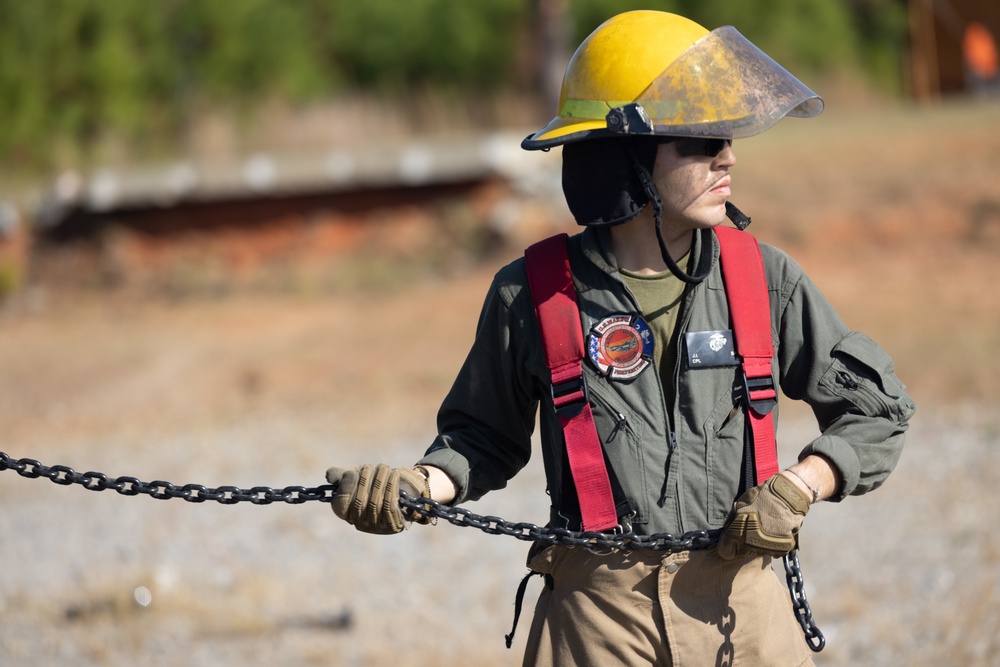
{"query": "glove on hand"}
{"type": "Point", "coordinates": [765, 520]}
{"type": "Point", "coordinates": [367, 497]}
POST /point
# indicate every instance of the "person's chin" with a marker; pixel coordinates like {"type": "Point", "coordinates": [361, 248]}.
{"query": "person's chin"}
{"type": "Point", "coordinates": [709, 221]}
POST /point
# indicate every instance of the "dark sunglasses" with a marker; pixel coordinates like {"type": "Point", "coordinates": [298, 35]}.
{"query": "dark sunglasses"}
{"type": "Point", "coordinates": [690, 146]}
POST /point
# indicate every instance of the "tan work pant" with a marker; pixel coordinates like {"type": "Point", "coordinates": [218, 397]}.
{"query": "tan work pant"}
{"type": "Point", "coordinates": [645, 608]}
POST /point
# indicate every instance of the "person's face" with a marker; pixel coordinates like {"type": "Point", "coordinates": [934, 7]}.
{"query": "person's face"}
{"type": "Point", "coordinates": [693, 183]}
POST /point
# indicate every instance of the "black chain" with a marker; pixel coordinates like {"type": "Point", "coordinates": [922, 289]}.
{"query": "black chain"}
{"type": "Point", "coordinates": [193, 493]}
{"type": "Point", "coordinates": [596, 541]}
{"type": "Point", "coordinates": [458, 516]}
{"type": "Point", "coordinates": [529, 532]}
{"type": "Point", "coordinates": [796, 587]}
{"type": "Point", "coordinates": [263, 495]}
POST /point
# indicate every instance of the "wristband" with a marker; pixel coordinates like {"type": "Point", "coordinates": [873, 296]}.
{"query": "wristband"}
{"type": "Point", "coordinates": [815, 492]}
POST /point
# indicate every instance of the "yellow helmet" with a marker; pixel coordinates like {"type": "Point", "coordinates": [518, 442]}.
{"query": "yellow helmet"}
{"type": "Point", "coordinates": [647, 73]}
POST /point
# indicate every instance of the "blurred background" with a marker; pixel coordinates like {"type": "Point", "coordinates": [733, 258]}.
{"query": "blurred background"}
{"type": "Point", "coordinates": [244, 241]}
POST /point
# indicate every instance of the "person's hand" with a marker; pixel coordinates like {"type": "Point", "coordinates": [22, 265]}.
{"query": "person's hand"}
{"type": "Point", "coordinates": [367, 497]}
{"type": "Point", "coordinates": [765, 520]}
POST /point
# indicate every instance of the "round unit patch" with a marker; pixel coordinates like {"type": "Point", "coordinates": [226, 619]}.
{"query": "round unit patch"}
{"type": "Point", "coordinates": [620, 346]}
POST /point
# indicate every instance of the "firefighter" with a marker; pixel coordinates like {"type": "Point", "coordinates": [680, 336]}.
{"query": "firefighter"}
{"type": "Point", "coordinates": [650, 106]}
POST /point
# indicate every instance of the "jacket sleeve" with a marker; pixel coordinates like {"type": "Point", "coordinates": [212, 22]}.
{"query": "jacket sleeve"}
{"type": "Point", "coordinates": [486, 421]}
{"type": "Point", "coordinates": [848, 380]}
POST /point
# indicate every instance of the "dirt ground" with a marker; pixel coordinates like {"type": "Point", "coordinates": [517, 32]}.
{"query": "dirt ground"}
{"type": "Point", "coordinates": [894, 213]}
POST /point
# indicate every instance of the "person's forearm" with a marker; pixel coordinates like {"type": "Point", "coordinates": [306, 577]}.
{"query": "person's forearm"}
{"type": "Point", "coordinates": [815, 476]}
{"type": "Point", "coordinates": [441, 487]}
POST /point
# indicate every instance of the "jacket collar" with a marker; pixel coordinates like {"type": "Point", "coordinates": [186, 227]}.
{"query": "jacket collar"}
{"type": "Point", "coordinates": [595, 242]}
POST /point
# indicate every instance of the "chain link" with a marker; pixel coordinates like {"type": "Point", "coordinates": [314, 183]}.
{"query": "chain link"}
{"type": "Point", "coordinates": [458, 516]}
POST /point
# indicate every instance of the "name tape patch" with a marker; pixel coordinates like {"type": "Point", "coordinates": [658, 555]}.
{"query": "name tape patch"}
{"type": "Point", "coordinates": [711, 349]}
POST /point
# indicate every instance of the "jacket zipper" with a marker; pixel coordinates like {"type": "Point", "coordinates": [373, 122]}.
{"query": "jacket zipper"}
{"type": "Point", "coordinates": [848, 380]}
{"type": "Point", "coordinates": [620, 425]}
{"type": "Point", "coordinates": [680, 327]}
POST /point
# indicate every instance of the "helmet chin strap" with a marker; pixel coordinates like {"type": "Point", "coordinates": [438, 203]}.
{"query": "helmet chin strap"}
{"type": "Point", "coordinates": [704, 261]}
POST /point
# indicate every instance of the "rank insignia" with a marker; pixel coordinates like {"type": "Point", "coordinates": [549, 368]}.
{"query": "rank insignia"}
{"type": "Point", "coordinates": [620, 346]}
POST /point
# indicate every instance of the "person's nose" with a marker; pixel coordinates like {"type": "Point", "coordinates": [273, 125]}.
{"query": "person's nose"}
{"type": "Point", "coordinates": [726, 157]}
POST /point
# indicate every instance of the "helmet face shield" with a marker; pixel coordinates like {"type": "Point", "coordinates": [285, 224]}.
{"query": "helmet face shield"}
{"type": "Point", "coordinates": [722, 86]}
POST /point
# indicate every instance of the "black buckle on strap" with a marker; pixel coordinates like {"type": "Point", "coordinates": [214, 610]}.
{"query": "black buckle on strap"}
{"type": "Point", "coordinates": [752, 386]}
{"type": "Point", "coordinates": [569, 396]}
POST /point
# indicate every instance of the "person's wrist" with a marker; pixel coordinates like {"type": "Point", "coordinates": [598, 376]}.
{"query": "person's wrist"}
{"type": "Point", "coordinates": [813, 492]}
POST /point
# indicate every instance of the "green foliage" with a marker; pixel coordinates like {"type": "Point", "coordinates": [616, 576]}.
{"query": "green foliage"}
{"type": "Point", "coordinates": [74, 72]}
{"type": "Point", "coordinates": [882, 29]}
{"type": "Point", "coordinates": [241, 48]}
{"type": "Point", "coordinates": [389, 45]}
{"type": "Point", "coordinates": [586, 15]}
{"type": "Point", "coordinates": [816, 36]}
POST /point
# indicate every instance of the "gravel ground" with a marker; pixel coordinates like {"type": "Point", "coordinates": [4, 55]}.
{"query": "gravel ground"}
{"type": "Point", "coordinates": [907, 575]}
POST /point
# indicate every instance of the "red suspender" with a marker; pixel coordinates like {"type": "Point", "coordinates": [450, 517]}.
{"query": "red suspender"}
{"type": "Point", "coordinates": [551, 283]}
{"type": "Point", "coordinates": [750, 307]}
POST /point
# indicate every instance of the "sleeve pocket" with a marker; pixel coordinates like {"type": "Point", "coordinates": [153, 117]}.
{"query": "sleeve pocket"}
{"type": "Point", "coordinates": [862, 374]}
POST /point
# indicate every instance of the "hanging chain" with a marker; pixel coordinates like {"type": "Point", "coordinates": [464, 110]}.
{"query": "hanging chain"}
{"type": "Point", "coordinates": [796, 587]}
{"type": "Point", "coordinates": [596, 541]}
{"type": "Point", "coordinates": [458, 516]}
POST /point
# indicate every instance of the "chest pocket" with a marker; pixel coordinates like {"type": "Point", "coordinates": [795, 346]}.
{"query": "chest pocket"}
{"type": "Point", "coordinates": [725, 430]}
{"type": "Point", "coordinates": [620, 432]}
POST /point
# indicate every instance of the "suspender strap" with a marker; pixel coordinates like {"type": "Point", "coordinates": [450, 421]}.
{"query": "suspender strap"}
{"type": "Point", "coordinates": [551, 283]}
{"type": "Point", "coordinates": [750, 307]}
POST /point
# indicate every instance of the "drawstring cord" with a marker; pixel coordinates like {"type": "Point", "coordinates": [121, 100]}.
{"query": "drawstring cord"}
{"type": "Point", "coordinates": [518, 602]}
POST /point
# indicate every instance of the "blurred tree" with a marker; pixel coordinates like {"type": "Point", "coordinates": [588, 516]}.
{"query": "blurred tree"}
{"type": "Point", "coordinates": [551, 30]}
{"type": "Point", "coordinates": [883, 32]}
{"type": "Point", "coordinates": [240, 49]}
{"type": "Point", "coordinates": [75, 72]}
{"type": "Point", "coordinates": [588, 14]}
{"type": "Point", "coordinates": [395, 45]}
{"type": "Point", "coordinates": [816, 36]}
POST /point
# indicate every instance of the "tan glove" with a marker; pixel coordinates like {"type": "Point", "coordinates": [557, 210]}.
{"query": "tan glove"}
{"type": "Point", "coordinates": [367, 497]}
{"type": "Point", "coordinates": [765, 520]}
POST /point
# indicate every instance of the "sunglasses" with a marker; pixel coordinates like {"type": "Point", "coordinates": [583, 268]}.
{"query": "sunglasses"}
{"type": "Point", "coordinates": [690, 146]}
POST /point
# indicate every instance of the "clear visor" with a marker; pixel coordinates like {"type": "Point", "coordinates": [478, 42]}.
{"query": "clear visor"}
{"type": "Point", "coordinates": [723, 86]}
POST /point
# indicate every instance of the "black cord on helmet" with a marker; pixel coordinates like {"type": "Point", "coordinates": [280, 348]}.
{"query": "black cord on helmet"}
{"type": "Point", "coordinates": [704, 261]}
